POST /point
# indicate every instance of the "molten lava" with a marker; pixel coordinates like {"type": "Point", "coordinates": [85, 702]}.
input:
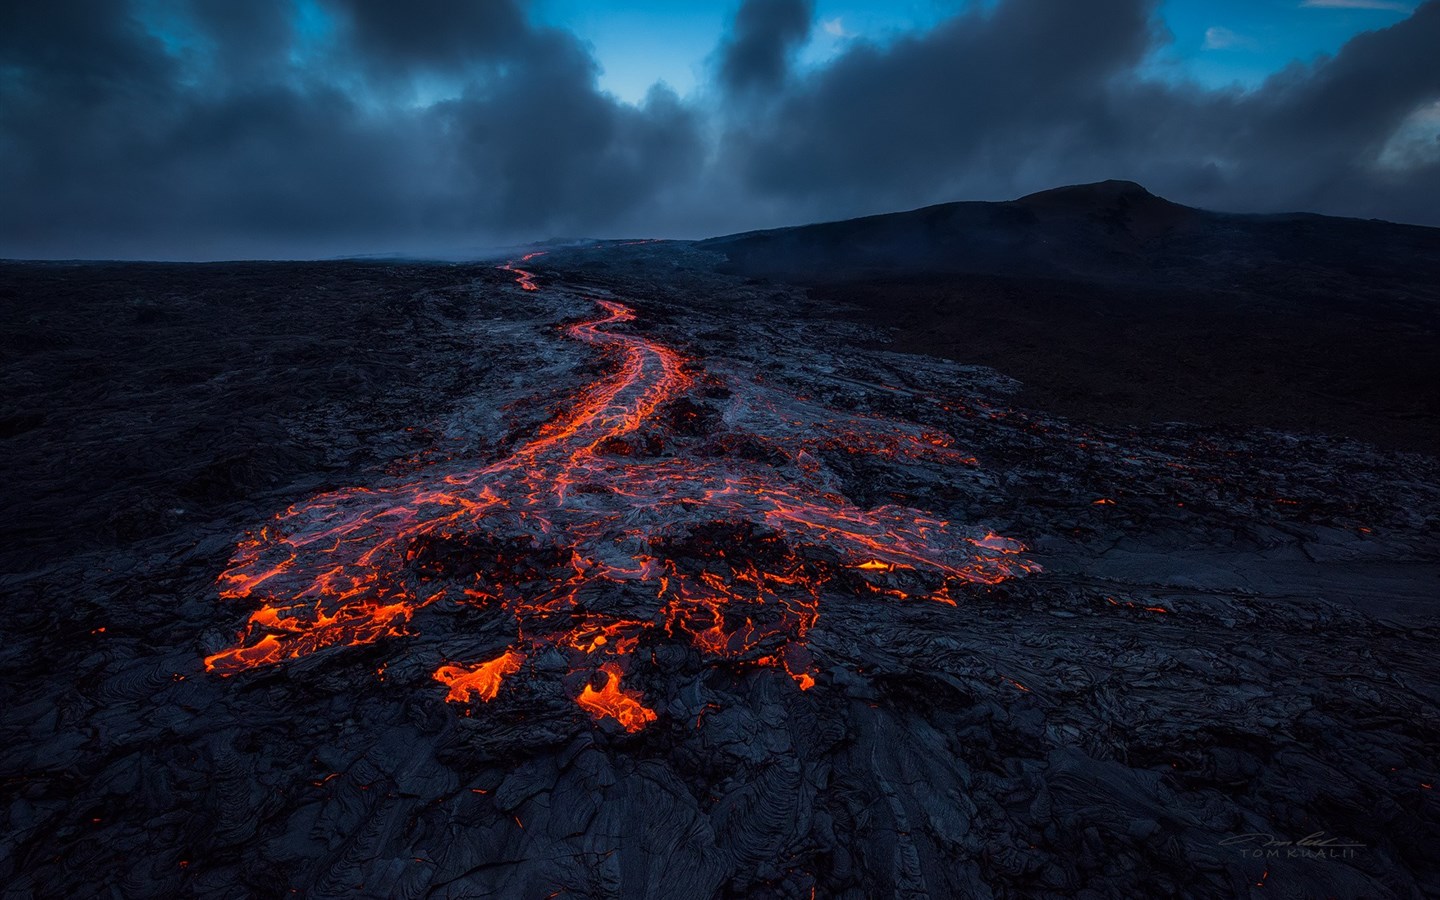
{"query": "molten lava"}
{"type": "Point", "coordinates": [621, 705]}
{"type": "Point", "coordinates": [482, 681]}
{"type": "Point", "coordinates": [728, 552]}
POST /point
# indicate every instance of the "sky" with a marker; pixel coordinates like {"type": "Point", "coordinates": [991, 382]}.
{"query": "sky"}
{"type": "Point", "coordinates": [207, 129]}
{"type": "Point", "coordinates": [1216, 42]}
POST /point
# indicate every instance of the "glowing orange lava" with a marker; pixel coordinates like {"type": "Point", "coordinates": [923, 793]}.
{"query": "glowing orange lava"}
{"type": "Point", "coordinates": [621, 705]}
{"type": "Point", "coordinates": [482, 681]}
{"type": "Point", "coordinates": [722, 551]}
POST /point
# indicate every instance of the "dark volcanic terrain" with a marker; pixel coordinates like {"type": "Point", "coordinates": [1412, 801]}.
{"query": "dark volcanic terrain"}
{"type": "Point", "coordinates": [1113, 305]}
{"type": "Point", "coordinates": [675, 570]}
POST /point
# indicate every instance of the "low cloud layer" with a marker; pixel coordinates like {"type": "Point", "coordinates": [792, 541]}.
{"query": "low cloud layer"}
{"type": "Point", "coordinates": [205, 129]}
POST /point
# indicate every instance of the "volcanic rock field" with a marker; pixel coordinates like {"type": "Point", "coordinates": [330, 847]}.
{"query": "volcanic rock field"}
{"type": "Point", "coordinates": [613, 571]}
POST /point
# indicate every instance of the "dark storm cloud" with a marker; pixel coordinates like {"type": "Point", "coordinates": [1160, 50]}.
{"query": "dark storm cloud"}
{"type": "Point", "coordinates": [439, 34]}
{"type": "Point", "coordinates": [1034, 94]}
{"type": "Point", "coordinates": [1312, 136]}
{"type": "Point", "coordinates": [548, 151]}
{"type": "Point", "coordinates": [242, 39]}
{"type": "Point", "coordinates": [766, 33]}
{"type": "Point", "coordinates": [120, 137]}
{"type": "Point", "coordinates": [202, 128]}
{"type": "Point", "coordinates": [890, 122]}
{"type": "Point", "coordinates": [81, 47]}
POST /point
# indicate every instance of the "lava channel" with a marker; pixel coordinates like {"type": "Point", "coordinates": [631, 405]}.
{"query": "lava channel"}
{"type": "Point", "coordinates": [724, 552]}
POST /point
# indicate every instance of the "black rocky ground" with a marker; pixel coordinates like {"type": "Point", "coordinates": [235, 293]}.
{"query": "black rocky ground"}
{"type": "Point", "coordinates": [1233, 634]}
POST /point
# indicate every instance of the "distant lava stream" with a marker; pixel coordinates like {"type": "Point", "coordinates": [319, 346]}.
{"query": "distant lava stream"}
{"type": "Point", "coordinates": [728, 553]}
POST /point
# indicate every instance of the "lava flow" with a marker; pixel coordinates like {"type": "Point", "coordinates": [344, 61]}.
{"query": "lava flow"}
{"type": "Point", "coordinates": [619, 524]}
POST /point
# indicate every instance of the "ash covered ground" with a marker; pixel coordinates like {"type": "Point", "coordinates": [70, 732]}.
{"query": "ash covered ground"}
{"type": "Point", "coordinates": [402, 580]}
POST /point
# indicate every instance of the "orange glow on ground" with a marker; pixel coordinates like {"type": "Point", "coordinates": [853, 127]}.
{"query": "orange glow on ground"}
{"type": "Point", "coordinates": [732, 555]}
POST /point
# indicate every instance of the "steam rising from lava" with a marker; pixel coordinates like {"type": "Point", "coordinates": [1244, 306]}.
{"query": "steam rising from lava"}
{"type": "Point", "coordinates": [719, 550]}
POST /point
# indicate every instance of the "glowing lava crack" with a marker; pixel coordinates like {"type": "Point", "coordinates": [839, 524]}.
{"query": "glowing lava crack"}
{"type": "Point", "coordinates": [729, 554]}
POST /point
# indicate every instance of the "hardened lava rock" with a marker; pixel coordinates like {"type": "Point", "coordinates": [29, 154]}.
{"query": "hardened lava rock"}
{"type": "Point", "coordinates": [599, 583]}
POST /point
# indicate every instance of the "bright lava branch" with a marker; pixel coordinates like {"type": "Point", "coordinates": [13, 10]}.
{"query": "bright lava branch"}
{"type": "Point", "coordinates": [729, 554]}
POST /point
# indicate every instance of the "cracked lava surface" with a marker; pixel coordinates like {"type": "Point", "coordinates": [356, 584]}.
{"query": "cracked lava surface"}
{"type": "Point", "coordinates": [629, 578]}
{"type": "Point", "coordinates": [574, 537]}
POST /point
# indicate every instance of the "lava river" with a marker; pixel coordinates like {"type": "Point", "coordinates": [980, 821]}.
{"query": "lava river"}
{"type": "Point", "coordinates": [617, 525]}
